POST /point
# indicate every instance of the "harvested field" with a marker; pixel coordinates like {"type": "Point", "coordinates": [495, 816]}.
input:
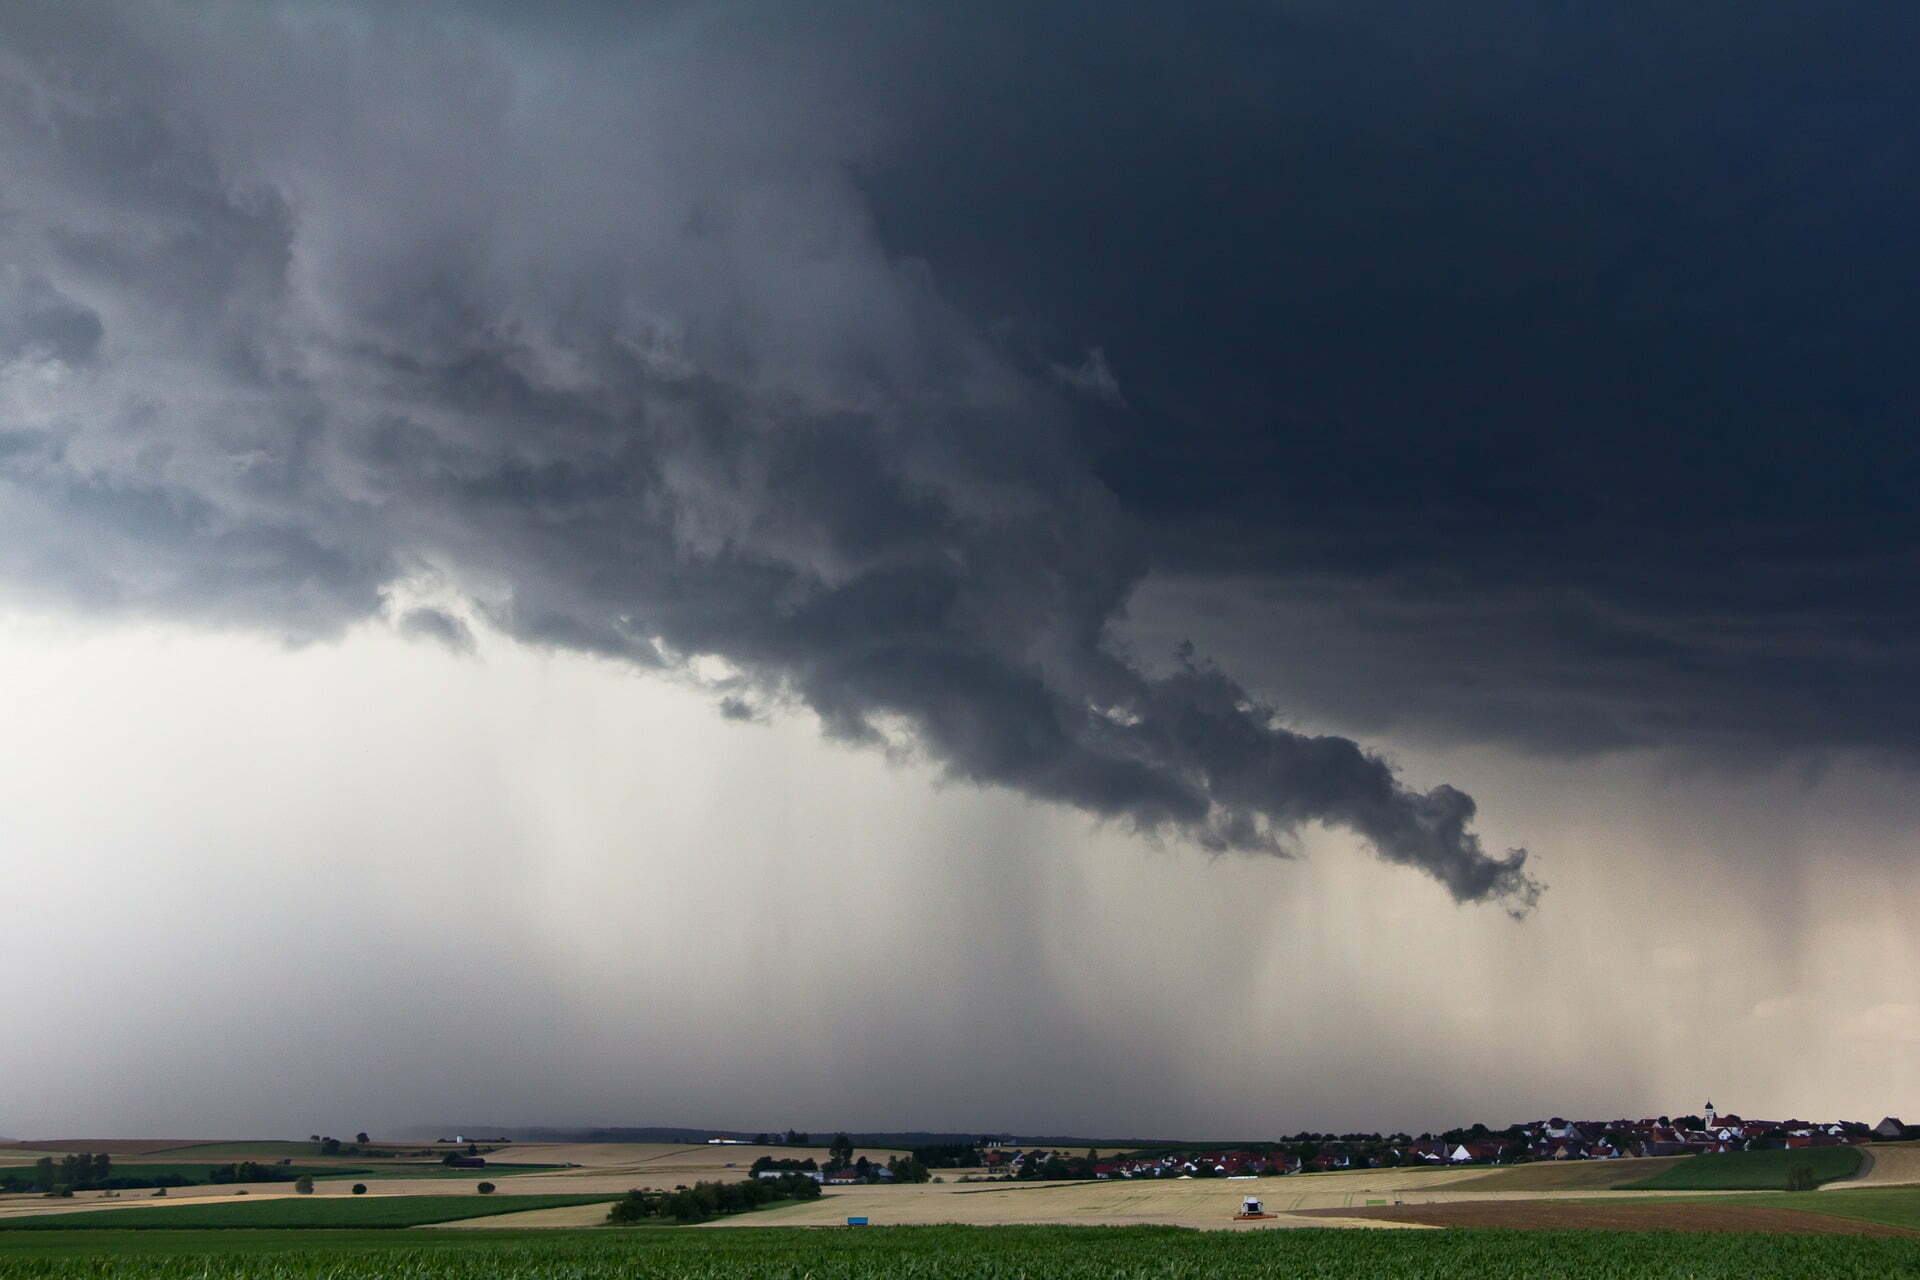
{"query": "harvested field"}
{"type": "Point", "coordinates": [1568, 1175]}
{"type": "Point", "coordinates": [1887, 1164]}
{"type": "Point", "coordinates": [702, 1158]}
{"type": "Point", "coordinates": [624, 1167]}
{"type": "Point", "coordinates": [1201, 1202]}
{"type": "Point", "coordinates": [1634, 1215]}
{"type": "Point", "coordinates": [577, 1215]}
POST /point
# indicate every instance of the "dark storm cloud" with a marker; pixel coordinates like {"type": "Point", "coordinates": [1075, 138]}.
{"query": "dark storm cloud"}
{"type": "Point", "coordinates": [437, 625]}
{"type": "Point", "coordinates": [1522, 371]}
{"type": "Point", "coordinates": [1519, 371]}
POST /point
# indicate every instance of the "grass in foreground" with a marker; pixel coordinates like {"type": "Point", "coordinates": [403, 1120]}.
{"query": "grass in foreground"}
{"type": "Point", "coordinates": [1751, 1170]}
{"type": "Point", "coordinates": [951, 1253]}
{"type": "Point", "coordinates": [302, 1212]}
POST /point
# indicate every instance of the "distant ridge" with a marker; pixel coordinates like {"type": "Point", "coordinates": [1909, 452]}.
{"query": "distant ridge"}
{"type": "Point", "coordinates": [816, 1138]}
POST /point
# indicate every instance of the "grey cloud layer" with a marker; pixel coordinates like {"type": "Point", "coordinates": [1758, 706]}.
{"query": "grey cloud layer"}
{"type": "Point", "coordinates": [304, 306]}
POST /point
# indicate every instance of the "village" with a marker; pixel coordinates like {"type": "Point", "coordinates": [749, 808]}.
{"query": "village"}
{"type": "Point", "coordinates": [1709, 1133]}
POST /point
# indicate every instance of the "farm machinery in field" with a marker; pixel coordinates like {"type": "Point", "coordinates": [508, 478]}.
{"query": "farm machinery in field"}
{"type": "Point", "coordinates": [1250, 1209]}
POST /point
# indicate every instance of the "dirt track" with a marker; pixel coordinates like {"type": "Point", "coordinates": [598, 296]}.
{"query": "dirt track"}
{"type": "Point", "coordinates": [1635, 1216]}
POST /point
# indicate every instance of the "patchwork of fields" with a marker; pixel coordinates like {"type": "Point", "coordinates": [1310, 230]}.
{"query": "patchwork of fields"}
{"type": "Point", "coordinates": [534, 1169]}
{"type": "Point", "coordinates": [569, 1194]}
{"type": "Point", "coordinates": [304, 1212]}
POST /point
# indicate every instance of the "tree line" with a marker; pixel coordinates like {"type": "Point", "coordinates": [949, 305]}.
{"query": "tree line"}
{"type": "Point", "coordinates": [706, 1200]}
{"type": "Point", "coordinates": [85, 1171]}
{"type": "Point", "coordinates": [841, 1159]}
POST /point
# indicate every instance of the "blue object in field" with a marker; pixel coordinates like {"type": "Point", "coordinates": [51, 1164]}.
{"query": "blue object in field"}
{"type": "Point", "coordinates": [856, 1222]}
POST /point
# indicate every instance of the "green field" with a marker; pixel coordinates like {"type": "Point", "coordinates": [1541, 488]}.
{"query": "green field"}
{"type": "Point", "coordinates": [1750, 1170]}
{"type": "Point", "coordinates": [948, 1253]}
{"type": "Point", "coordinates": [300, 1212]}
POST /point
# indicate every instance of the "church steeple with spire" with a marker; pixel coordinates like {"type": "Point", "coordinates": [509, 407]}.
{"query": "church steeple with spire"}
{"type": "Point", "coordinates": [1710, 1115]}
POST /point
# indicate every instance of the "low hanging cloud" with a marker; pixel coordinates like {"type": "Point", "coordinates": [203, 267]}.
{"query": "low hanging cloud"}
{"type": "Point", "coordinates": [427, 623]}
{"type": "Point", "coordinates": [592, 328]}
{"type": "Point", "coordinates": [1092, 378]}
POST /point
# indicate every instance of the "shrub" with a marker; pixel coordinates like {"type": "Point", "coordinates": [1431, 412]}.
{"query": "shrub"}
{"type": "Point", "coordinates": [706, 1200]}
{"type": "Point", "coordinates": [485, 1188]}
{"type": "Point", "coordinates": [1800, 1178]}
{"type": "Point", "coordinates": [304, 1184]}
{"type": "Point", "coordinates": [359, 1188]}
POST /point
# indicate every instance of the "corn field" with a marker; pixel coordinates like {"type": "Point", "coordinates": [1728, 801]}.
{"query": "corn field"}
{"type": "Point", "coordinates": [961, 1253]}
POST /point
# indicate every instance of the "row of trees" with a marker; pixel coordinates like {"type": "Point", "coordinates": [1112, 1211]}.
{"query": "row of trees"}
{"type": "Point", "coordinates": [251, 1171]}
{"type": "Point", "coordinates": [791, 1138]}
{"type": "Point", "coordinates": [901, 1168]}
{"type": "Point", "coordinates": [80, 1172]}
{"type": "Point", "coordinates": [330, 1146]}
{"type": "Point", "coordinates": [954, 1155]}
{"type": "Point", "coordinates": [1057, 1167]}
{"type": "Point", "coordinates": [705, 1200]}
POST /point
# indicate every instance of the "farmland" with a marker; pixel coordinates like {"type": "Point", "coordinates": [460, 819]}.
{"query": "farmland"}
{"type": "Point", "coordinates": [1570, 1175]}
{"type": "Point", "coordinates": [1544, 1219]}
{"type": "Point", "coordinates": [1888, 1164]}
{"type": "Point", "coordinates": [1883, 1213]}
{"type": "Point", "coordinates": [158, 1175]}
{"type": "Point", "coordinates": [1202, 1203]}
{"type": "Point", "coordinates": [962, 1253]}
{"type": "Point", "coordinates": [296, 1212]}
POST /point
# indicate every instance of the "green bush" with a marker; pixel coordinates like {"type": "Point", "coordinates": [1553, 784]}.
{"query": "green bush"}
{"type": "Point", "coordinates": [485, 1188]}
{"type": "Point", "coordinates": [704, 1200]}
{"type": "Point", "coordinates": [303, 1184]}
{"type": "Point", "coordinates": [359, 1188]}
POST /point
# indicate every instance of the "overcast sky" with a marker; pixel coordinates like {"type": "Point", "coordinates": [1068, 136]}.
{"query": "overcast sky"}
{"type": "Point", "coordinates": [1300, 566]}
